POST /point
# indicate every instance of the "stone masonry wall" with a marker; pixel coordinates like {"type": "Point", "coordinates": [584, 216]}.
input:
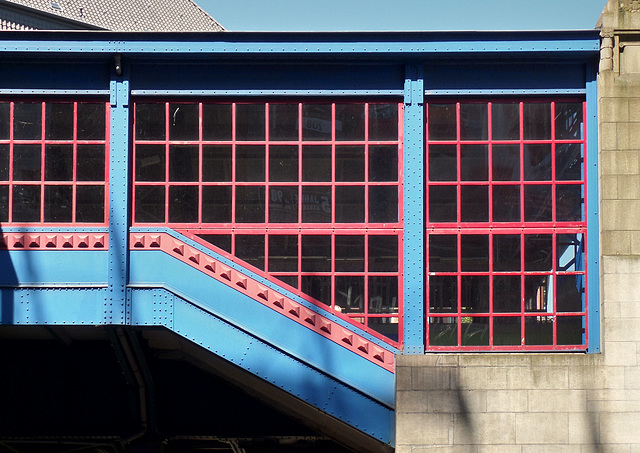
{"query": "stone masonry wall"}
{"type": "Point", "coordinates": [565, 403]}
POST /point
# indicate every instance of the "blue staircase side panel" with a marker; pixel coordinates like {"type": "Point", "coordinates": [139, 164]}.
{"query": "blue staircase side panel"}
{"type": "Point", "coordinates": [53, 268]}
{"type": "Point", "coordinates": [156, 269]}
{"type": "Point", "coordinates": [51, 306]}
{"type": "Point", "coordinates": [284, 371]}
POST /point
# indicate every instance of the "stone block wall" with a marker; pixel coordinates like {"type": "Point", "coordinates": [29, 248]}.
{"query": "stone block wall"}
{"type": "Point", "coordinates": [565, 403]}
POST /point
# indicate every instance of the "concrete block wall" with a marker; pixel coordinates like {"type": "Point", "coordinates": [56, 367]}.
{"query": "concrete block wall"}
{"type": "Point", "coordinates": [565, 403]}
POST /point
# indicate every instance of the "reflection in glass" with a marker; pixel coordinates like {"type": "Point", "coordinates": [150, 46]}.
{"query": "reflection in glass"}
{"type": "Point", "coordinates": [506, 331]}
{"type": "Point", "coordinates": [283, 204]}
{"type": "Point", "coordinates": [383, 163]}
{"type": "Point", "coordinates": [506, 294]}
{"type": "Point", "coordinates": [250, 163]}
{"type": "Point", "coordinates": [569, 162]}
{"type": "Point", "coordinates": [349, 204]}
{"type": "Point", "coordinates": [349, 253]}
{"type": "Point", "coordinates": [442, 203]}
{"type": "Point", "coordinates": [568, 120]}
{"type": "Point", "coordinates": [443, 332]}
{"type": "Point", "coordinates": [474, 203]}
{"type": "Point", "coordinates": [569, 203]}
{"type": "Point", "coordinates": [506, 203]}
{"type": "Point", "coordinates": [283, 163]}
{"type": "Point", "coordinates": [474, 163]}
{"type": "Point", "coordinates": [316, 204]}
{"type": "Point", "coordinates": [506, 162]}
{"type": "Point", "coordinates": [283, 122]}
{"type": "Point", "coordinates": [442, 163]}
{"type": "Point", "coordinates": [149, 204]}
{"type": "Point", "coordinates": [216, 163]}
{"type": "Point", "coordinates": [183, 163]}
{"type": "Point", "coordinates": [216, 204]}
{"type": "Point", "coordinates": [184, 121]}
{"type": "Point", "coordinates": [59, 121]}
{"type": "Point", "coordinates": [537, 121]}
{"type": "Point", "coordinates": [316, 122]}
{"type": "Point", "coordinates": [58, 163]}
{"type": "Point", "coordinates": [90, 204]}
{"type": "Point", "coordinates": [283, 253]}
{"type": "Point", "coordinates": [442, 122]}
{"type": "Point", "coordinates": [537, 162]}
{"type": "Point", "coordinates": [538, 252]}
{"type": "Point", "coordinates": [250, 249]}
{"type": "Point", "coordinates": [505, 121]}
{"type": "Point", "coordinates": [538, 293]}
{"type": "Point", "coordinates": [570, 252]}
{"type": "Point", "coordinates": [537, 203]}
{"type": "Point", "coordinates": [443, 293]}
{"type": "Point", "coordinates": [350, 163]}
{"type": "Point", "coordinates": [150, 161]}
{"type": "Point", "coordinates": [383, 253]}
{"type": "Point", "coordinates": [474, 122]}
{"type": "Point", "coordinates": [383, 121]}
{"type": "Point", "coordinates": [216, 121]}
{"type": "Point", "coordinates": [349, 294]}
{"type": "Point", "coordinates": [250, 122]}
{"type": "Point", "coordinates": [183, 204]}
{"type": "Point", "coordinates": [475, 331]}
{"type": "Point", "coordinates": [250, 204]}
{"type": "Point", "coordinates": [349, 121]}
{"type": "Point", "coordinates": [150, 121]}
{"type": "Point", "coordinates": [383, 294]}
{"type": "Point", "coordinates": [474, 293]}
{"type": "Point", "coordinates": [383, 204]}
{"type": "Point", "coordinates": [443, 253]}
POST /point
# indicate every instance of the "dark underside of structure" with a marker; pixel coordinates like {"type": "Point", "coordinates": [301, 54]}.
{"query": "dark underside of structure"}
{"type": "Point", "coordinates": [106, 389]}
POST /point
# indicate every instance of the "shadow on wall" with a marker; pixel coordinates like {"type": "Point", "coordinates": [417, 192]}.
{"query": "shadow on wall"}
{"type": "Point", "coordinates": [8, 281]}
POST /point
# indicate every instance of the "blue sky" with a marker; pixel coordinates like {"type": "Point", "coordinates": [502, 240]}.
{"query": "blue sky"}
{"type": "Point", "coordinates": [358, 15]}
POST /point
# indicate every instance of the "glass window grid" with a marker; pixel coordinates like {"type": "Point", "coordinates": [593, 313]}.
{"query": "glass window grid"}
{"type": "Point", "coordinates": [459, 319]}
{"type": "Point", "coordinates": [299, 228]}
{"type": "Point", "coordinates": [43, 183]}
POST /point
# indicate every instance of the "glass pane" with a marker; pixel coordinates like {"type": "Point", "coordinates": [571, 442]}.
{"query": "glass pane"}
{"type": "Point", "coordinates": [283, 163]}
{"type": "Point", "coordinates": [538, 293]}
{"type": "Point", "coordinates": [150, 121]}
{"type": "Point", "coordinates": [569, 162]}
{"type": "Point", "coordinates": [349, 296]}
{"type": "Point", "coordinates": [26, 162]}
{"type": "Point", "coordinates": [318, 287]}
{"type": "Point", "coordinates": [316, 253]}
{"type": "Point", "coordinates": [506, 294]}
{"type": "Point", "coordinates": [443, 332]}
{"type": "Point", "coordinates": [350, 122]}
{"type": "Point", "coordinates": [183, 163]}
{"type": "Point", "coordinates": [443, 293]}
{"type": "Point", "coordinates": [568, 120]}
{"type": "Point", "coordinates": [90, 204]}
{"type": "Point", "coordinates": [349, 204]}
{"type": "Point", "coordinates": [505, 121]}
{"type": "Point", "coordinates": [250, 204]}
{"type": "Point", "coordinates": [349, 253]}
{"type": "Point", "coordinates": [222, 241]}
{"type": "Point", "coordinates": [570, 290]}
{"type": "Point", "coordinates": [474, 163]}
{"type": "Point", "coordinates": [316, 122]}
{"type": "Point", "coordinates": [316, 163]}
{"type": "Point", "coordinates": [26, 204]}
{"type": "Point", "coordinates": [569, 203]}
{"type": "Point", "coordinates": [383, 253]}
{"type": "Point", "coordinates": [506, 203]}
{"type": "Point", "coordinates": [283, 204]}
{"type": "Point", "coordinates": [350, 163]}
{"type": "Point", "coordinates": [4, 162]}
{"type": "Point", "coordinates": [58, 203]}
{"type": "Point", "coordinates": [183, 204]}
{"type": "Point", "coordinates": [58, 163]}
{"type": "Point", "coordinates": [216, 163]}
{"type": "Point", "coordinates": [474, 252]}
{"type": "Point", "coordinates": [537, 121]}
{"type": "Point", "coordinates": [506, 252]}
{"type": "Point", "coordinates": [383, 294]}
{"type": "Point", "coordinates": [383, 163]}
{"type": "Point", "coordinates": [291, 280]}
{"type": "Point", "coordinates": [443, 163]}
{"type": "Point", "coordinates": [538, 330]}
{"type": "Point", "coordinates": [150, 160]}
{"type": "Point", "coordinates": [570, 252]}
{"type": "Point", "coordinates": [216, 121]}
{"type": "Point", "coordinates": [27, 121]}
{"type": "Point", "coordinates": [474, 293]}
{"type": "Point", "coordinates": [474, 121]}
{"type": "Point", "coordinates": [5, 122]}
{"type": "Point", "coordinates": [570, 330]}
{"type": "Point", "coordinates": [283, 122]}
{"type": "Point", "coordinates": [149, 204]}
{"type": "Point", "coordinates": [91, 121]}
{"type": "Point", "coordinates": [283, 253]}
{"type": "Point", "coordinates": [184, 121]}
{"type": "Point", "coordinates": [537, 203]}
{"type": "Point", "coordinates": [442, 203]}
{"type": "Point", "coordinates": [250, 249]}
{"type": "Point", "coordinates": [474, 203]}
{"type": "Point", "coordinates": [4, 203]}
{"type": "Point", "coordinates": [250, 163]}
{"type": "Point", "coordinates": [383, 121]}
{"type": "Point", "coordinates": [385, 326]}
{"type": "Point", "coordinates": [59, 121]}
{"type": "Point", "coordinates": [507, 331]}
{"type": "Point", "coordinates": [443, 253]}
{"type": "Point", "coordinates": [216, 204]}
{"type": "Point", "coordinates": [506, 162]}
{"type": "Point", "coordinates": [250, 122]}
{"type": "Point", "coordinates": [316, 204]}
{"type": "Point", "coordinates": [537, 162]}
{"type": "Point", "coordinates": [90, 163]}
{"type": "Point", "coordinates": [538, 252]}
{"type": "Point", "coordinates": [383, 204]}
{"type": "Point", "coordinates": [475, 331]}
{"type": "Point", "coordinates": [442, 122]}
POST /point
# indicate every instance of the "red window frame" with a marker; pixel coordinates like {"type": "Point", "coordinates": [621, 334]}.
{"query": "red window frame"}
{"type": "Point", "coordinates": [329, 230]}
{"type": "Point", "coordinates": [461, 264]}
{"type": "Point", "coordinates": [43, 182]}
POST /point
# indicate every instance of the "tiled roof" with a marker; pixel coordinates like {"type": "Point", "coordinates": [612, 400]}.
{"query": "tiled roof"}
{"type": "Point", "coordinates": [128, 15]}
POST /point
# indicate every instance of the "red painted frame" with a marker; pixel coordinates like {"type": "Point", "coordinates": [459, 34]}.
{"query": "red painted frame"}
{"type": "Point", "coordinates": [522, 228]}
{"type": "Point", "coordinates": [43, 142]}
{"type": "Point", "coordinates": [365, 229]}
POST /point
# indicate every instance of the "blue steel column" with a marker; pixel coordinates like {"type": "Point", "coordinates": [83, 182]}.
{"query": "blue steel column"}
{"type": "Point", "coordinates": [413, 198]}
{"type": "Point", "coordinates": [115, 308]}
{"type": "Point", "coordinates": [593, 218]}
